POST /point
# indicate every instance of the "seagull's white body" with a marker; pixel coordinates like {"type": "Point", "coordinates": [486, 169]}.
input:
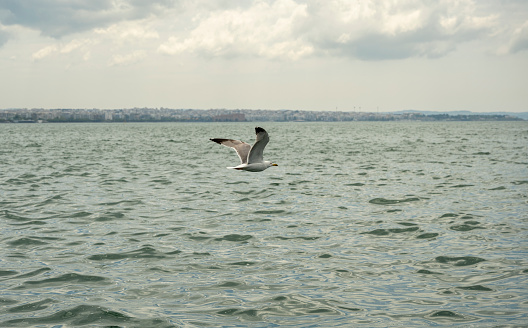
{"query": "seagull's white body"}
{"type": "Point", "coordinates": [251, 157]}
{"type": "Point", "coordinates": [253, 167]}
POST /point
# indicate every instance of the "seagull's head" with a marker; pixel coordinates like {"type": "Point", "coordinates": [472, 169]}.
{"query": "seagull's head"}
{"type": "Point", "coordinates": [269, 164]}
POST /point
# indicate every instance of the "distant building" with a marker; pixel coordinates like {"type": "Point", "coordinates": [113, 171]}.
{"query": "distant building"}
{"type": "Point", "coordinates": [229, 118]}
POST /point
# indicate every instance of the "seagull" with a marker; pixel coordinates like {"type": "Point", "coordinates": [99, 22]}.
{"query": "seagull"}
{"type": "Point", "coordinates": [250, 156]}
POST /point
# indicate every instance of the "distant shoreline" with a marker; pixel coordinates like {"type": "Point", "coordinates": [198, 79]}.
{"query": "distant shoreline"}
{"type": "Point", "coordinates": [155, 115]}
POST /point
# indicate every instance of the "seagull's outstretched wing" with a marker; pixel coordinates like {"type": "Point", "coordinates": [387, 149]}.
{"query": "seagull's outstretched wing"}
{"type": "Point", "coordinates": [241, 148]}
{"type": "Point", "coordinates": [255, 154]}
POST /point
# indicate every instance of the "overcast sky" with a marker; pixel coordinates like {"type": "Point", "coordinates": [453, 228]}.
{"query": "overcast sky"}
{"type": "Point", "coordinates": [284, 54]}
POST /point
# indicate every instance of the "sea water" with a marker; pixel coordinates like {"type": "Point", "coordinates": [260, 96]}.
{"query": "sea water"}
{"type": "Point", "coordinates": [362, 224]}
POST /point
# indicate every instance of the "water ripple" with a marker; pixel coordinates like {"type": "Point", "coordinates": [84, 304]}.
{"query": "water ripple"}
{"type": "Point", "coordinates": [65, 279]}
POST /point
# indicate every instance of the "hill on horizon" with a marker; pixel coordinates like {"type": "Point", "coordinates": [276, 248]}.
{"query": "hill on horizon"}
{"type": "Point", "coordinates": [523, 115]}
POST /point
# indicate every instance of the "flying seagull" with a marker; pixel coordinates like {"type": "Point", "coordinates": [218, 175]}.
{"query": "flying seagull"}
{"type": "Point", "coordinates": [250, 156]}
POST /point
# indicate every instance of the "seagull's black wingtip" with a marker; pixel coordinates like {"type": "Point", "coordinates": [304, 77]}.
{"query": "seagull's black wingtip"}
{"type": "Point", "coordinates": [259, 129]}
{"type": "Point", "coordinates": [217, 140]}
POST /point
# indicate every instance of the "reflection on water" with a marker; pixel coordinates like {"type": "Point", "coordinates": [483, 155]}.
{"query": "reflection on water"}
{"type": "Point", "coordinates": [361, 224]}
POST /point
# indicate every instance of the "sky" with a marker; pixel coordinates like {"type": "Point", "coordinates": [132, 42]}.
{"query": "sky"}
{"type": "Point", "coordinates": [346, 55]}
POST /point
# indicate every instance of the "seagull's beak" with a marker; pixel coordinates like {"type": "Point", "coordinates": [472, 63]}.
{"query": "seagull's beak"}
{"type": "Point", "coordinates": [274, 164]}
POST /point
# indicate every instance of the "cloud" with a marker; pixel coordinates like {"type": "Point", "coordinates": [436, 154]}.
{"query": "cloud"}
{"type": "Point", "coordinates": [131, 31]}
{"type": "Point", "coordinates": [275, 29]}
{"type": "Point", "coordinates": [384, 30]}
{"type": "Point", "coordinates": [4, 36]}
{"type": "Point", "coordinates": [375, 30]}
{"type": "Point", "coordinates": [64, 48]}
{"type": "Point", "coordinates": [266, 29]}
{"type": "Point", "coordinates": [121, 60]}
{"type": "Point", "coordinates": [45, 52]}
{"type": "Point", "coordinates": [368, 30]}
{"type": "Point", "coordinates": [57, 18]}
{"type": "Point", "coordinates": [519, 40]}
{"type": "Point", "coordinates": [127, 37]}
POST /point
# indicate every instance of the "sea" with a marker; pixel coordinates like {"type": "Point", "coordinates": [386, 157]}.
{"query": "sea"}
{"type": "Point", "coordinates": [361, 224]}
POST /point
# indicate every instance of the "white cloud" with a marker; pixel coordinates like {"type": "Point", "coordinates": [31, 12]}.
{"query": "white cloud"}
{"type": "Point", "coordinates": [265, 30]}
{"type": "Point", "coordinates": [127, 59]}
{"type": "Point", "coordinates": [45, 52]}
{"type": "Point", "coordinates": [59, 48]}
{"type": "Point", "coordinates": [519, 40]}
{"type": "Point", "coordinates": [130, 31]}
{"type": "Point", "coordinates": [75, 44]}
{"type": "Point", "coordinates": [372, 30]}
{"type": "Point", "coordinates": [369, 30]}
{"type": "Point", "coordinates": [110, 43]}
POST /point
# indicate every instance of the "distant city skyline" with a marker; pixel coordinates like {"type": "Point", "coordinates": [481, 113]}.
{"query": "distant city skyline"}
{"type": "Point", "coordinates": [37, 115]}
{"type": "Point", "coordinates": [370, 56]}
